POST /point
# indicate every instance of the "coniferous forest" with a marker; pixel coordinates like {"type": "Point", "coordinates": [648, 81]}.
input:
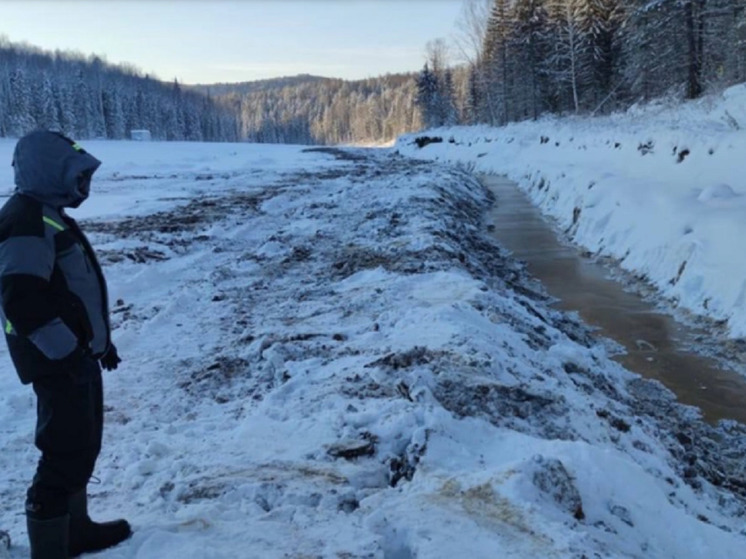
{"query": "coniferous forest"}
{"type": "Point", "coordinates": [313, 110]}
{"type": "Point", "coordinates": [588, 57]}
{"type": "Point", "coordinates": [88, 98]}
{"type": "Point", "coordinates": [532, 57]}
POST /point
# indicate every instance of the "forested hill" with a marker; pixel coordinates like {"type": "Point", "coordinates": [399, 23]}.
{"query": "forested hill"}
{"type": "Point", "coordinates": [243, 88]}
{"type": "Point", "coordinates": [312, 110]}
{"type": "Point", "coordinates": [87, 98]}
{"type": "Point", "coordinates": [531, 58]}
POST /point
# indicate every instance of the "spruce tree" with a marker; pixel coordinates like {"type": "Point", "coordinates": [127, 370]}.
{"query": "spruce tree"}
{"type": "Point", "coordinates": [494, 60]}
{"type": "Point", "coordinates": [428, 98]}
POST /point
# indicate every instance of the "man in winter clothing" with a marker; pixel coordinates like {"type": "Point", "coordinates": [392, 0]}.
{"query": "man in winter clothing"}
{"type": "Point", "coordinates": [55, 315]}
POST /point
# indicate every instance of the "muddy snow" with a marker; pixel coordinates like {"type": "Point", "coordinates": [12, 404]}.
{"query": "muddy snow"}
{"type": "Point", "coordinates": [326, 355]}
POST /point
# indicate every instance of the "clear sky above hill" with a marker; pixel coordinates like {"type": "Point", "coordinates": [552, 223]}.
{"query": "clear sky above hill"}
{"type": "Point", "coordinates": [207, 41]}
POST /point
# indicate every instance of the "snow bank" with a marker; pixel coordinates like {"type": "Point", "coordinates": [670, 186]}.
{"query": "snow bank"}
{"type": "Point", "coordinates": [325, 355]}
{"type": "Point", "coordinates": [660, 189]}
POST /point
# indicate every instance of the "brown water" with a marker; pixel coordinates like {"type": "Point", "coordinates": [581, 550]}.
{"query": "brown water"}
{"type": "Point", "coordinates": [654, 341]}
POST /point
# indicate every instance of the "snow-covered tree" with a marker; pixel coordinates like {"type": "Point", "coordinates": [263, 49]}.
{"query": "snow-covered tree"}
{"type": "Point", "coordinates": [428, 97]}
{"type": "Point", "coordinates": [85, 98]}
{"type": "Point", "coordinates": [495, 71]}
{"type": "Point", "coordinates": [530, 45]}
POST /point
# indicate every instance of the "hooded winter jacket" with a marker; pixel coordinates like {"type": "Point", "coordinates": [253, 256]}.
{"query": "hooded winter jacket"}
{"type": "Point", "coordinates": [54, 297]}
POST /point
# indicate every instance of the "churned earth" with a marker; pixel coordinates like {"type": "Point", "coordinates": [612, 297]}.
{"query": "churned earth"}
{"type": "Point", "coordinates": [326, 355]}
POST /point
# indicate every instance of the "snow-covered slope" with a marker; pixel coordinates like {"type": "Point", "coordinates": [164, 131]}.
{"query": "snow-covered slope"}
{"type": "Point", "coordinates": [326, 356]}
{"type": "Point", "coordinates": [661, 189]}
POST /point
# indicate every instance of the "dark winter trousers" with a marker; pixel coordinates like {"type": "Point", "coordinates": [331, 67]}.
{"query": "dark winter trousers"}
{"type": "Point", "coordinates": [68, 434]}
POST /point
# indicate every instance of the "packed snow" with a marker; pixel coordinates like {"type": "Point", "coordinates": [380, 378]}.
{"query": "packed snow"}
{"type": "Point", "coordinates": [659, 189]}
{"type": "Point", "coordinates": [326, 355]}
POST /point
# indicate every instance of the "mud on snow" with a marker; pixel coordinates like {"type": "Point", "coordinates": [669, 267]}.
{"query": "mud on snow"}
{"type": "Point", "coordinates": [327, 302]}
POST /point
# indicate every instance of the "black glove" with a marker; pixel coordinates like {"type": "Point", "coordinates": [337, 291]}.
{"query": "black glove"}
{"type": "Point", "coordinates": [110, 360]}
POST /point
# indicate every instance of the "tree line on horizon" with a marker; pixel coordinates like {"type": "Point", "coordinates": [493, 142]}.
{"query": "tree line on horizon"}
{"type": "Point", "coordinates": [584, 57]}
{"type": "Point", "coordinates": [326, 110]}
{"type": "Point", "coordinates": [531, 57]}
{"type": "Point", "coordinates": [85, 97]}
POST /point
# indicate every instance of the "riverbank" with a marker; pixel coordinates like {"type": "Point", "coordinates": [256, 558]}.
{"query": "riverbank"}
{"type": "Point", "coordinates": [326, 355]}
{"type": "Point", "coordinates": [658, 190]}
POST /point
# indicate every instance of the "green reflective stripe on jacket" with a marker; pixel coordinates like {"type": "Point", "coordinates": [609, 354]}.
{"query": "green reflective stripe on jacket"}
{"type": "Point", "coordinates": [8, 327]}
{"type": "Point", "coordinates": [77, 147]}
{"type": "Point", "coordinates": [53, 223]}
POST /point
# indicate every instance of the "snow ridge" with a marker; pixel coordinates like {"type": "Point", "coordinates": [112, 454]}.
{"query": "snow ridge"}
{"type": "Point", "coordinates": [327, 356]}
{"type": "Point", "coordinates": [658, 190]}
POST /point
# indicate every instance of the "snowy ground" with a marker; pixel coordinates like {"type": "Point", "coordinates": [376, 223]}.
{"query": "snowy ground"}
{"type": "Point", "coordinates": [659, 190]}
{"type": "Point", "coordinates": [325, 356]}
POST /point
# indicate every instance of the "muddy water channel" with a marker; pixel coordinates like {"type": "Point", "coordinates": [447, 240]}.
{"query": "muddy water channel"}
{"type": "Point", "coordinates": [655, 343]}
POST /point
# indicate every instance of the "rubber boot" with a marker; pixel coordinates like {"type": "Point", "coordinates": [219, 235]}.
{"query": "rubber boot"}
{"type": "Point", "coordinates": [49, 537]}
{"type": "Point", "coordinates": [86, 535]}
{"type": "Point", "coordinates": [4, 540]}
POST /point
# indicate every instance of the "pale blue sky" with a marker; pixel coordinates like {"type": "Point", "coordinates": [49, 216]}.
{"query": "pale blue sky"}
{"type": "Point", "coordinates": [203, 41]}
